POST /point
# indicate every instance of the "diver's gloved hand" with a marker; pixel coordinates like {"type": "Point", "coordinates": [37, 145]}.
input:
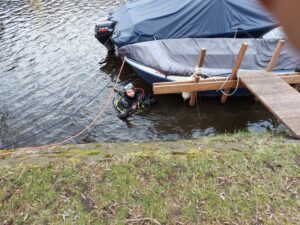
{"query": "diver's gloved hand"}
{"type": "Point", "coordinates": [125, 113]}
{"type": "Point", "coordinates": [130, 111]}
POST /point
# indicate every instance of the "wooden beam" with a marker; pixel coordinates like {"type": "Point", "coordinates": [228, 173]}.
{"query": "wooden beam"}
{"type": "Point", "coordinates": [197, 76]}
{"type": "Point", "coordinates": [201, 86]}
{"type": "Point", "coordinates": [235, 70]}
{"type": "Point", "coordinates": [209, 85]}
{"type": "Point", "coordinates": [293, 79]}
{"type": "Point", "coordinates": [275, 56]}
{"type": "Point", "coordinates": [287, 76]}
{"type": "Point", "coordinates": [171, 83]}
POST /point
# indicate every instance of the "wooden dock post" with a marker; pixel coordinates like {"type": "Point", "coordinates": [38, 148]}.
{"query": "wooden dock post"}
{"type": "Point", "coordinates": [194, 94]}
{"type": "Point", "coordinates": [275, 56]}
{"type": "Point", "coordinates": [235, 70]}
{"type": "Point", "coordinates": [197, 76]}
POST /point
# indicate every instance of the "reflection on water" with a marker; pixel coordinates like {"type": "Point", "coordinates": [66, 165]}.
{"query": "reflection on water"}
{"type": "Point", "coordinates": [51, 65]}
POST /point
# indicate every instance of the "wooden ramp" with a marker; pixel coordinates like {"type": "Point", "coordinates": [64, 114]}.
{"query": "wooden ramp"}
{"type": "Point", "coordinates": [277, 95]}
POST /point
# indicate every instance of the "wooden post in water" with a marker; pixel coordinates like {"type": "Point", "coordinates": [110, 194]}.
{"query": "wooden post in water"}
{"type": "Point", "coordinates": [275, 56]}
{"type": "Point", "coordinates": [197, 76]}
{"type": "Point", "coordinates": [235, 70]}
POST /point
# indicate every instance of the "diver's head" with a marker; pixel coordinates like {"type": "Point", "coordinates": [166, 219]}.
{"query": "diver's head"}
{"type": "Point", "coordinates": [129, 90]}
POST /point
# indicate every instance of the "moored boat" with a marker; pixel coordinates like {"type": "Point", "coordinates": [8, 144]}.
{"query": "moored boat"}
{"type": "Point", "coordinates": [176, 59]}
{"type": "Point", "coordinates": [146, 20]}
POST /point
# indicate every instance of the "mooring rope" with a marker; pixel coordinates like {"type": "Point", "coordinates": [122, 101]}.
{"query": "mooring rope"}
{"type": "Point", "coordinates": [101, 112]}
{"type": "Point", "coordinates": [198, 71]}
{"type": "Point", "coordinates": [235, 90]}
{"type": "Point", "coordinates": [56, 124]}
{"type": "Point", "coordinates": [95, 119]}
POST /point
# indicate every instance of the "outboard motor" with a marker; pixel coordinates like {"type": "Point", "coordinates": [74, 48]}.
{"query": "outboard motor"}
{"type": "Point", "coordinates": [104, 31]}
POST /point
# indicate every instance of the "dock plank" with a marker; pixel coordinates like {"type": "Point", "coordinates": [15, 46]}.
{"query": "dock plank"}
{"type": "Point", "coordinates": [277, 96]}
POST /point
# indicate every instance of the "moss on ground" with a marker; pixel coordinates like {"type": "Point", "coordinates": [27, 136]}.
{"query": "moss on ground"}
{"type": "Point", "coordinates": [228, 179]}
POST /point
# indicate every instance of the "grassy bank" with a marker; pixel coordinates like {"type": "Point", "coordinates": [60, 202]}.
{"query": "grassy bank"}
{"type": "Point", "coordinates": [234, 179]}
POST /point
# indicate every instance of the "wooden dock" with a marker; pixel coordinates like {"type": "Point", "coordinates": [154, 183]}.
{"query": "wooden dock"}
{"type": "Point", "coordinates": [274, 91]}
{"type": "Point", "coordinates": [277, 96]}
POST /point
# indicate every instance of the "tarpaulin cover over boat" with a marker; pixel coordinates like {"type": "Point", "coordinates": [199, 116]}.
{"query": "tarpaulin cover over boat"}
{"type": "Point", "coordinates": [145, 20]}
{"type": "Point", "coordinates": [180, 56]}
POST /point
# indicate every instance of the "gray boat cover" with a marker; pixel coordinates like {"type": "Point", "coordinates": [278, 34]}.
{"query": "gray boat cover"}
{"type": "Point", "coordinates": [180, 56]}
{"type": "Point", "coordinates": [145, 20]}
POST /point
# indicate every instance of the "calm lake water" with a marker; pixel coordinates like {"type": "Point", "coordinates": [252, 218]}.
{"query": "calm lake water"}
{"type": "Point", "coordinates": [51, 65]}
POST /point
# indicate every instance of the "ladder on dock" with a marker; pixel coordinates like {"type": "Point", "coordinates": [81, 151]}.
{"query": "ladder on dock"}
{"type": "Point", "coordinates": [277, 96]}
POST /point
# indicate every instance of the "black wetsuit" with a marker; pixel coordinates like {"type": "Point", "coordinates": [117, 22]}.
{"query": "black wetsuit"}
{"type": "Point", "coordinates": [127, 105]}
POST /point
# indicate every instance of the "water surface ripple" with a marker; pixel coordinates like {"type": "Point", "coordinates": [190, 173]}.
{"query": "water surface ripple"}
{"type": "Point", "coordinates": [51, 65]}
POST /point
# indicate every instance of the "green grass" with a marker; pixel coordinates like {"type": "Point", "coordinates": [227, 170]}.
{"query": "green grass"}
{"type": "Point", "coordinates": [255, 179]}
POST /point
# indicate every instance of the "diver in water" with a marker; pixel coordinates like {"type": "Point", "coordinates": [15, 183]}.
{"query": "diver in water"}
{"type": "Point", "coordinates": [131, 100]}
